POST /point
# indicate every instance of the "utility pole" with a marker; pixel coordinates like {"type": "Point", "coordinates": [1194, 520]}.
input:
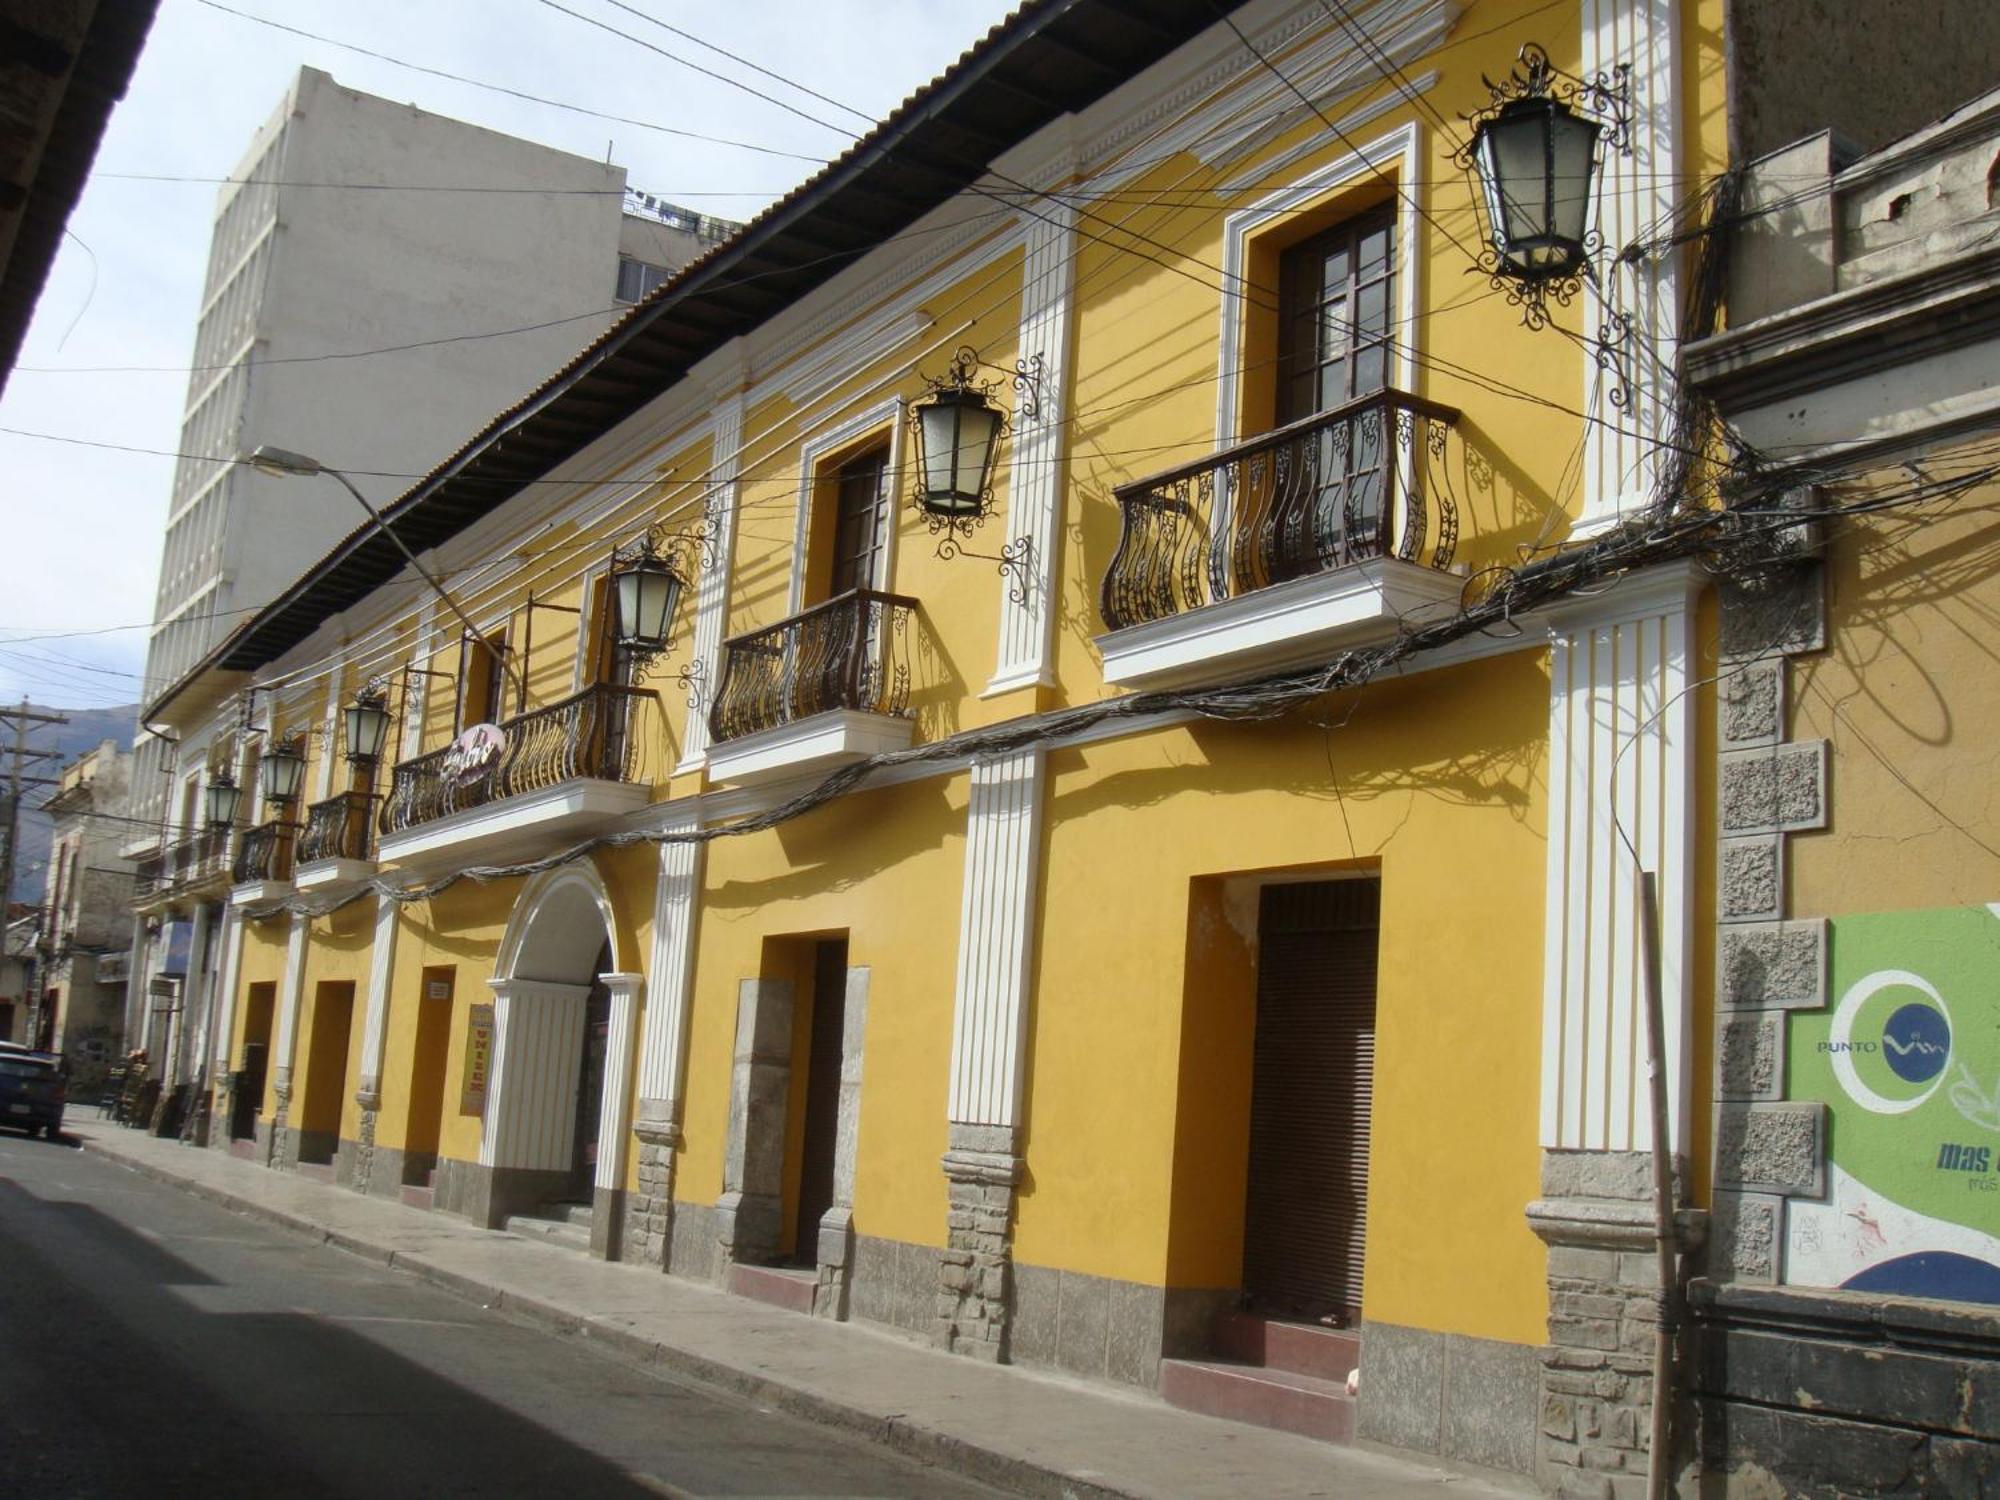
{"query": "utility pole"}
{"type": "Point", "coordinates": [24, 721]}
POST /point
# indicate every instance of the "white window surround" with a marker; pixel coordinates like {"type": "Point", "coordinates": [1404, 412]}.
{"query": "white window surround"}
{"type": "Point", "coordinates": [886, 416]}
{"type": "Point", "coordinates": [819, 743]}
{"type": "Point", "coordinates": [587, 598]}
{"type": "Point", "coordinates": [1393, 156]}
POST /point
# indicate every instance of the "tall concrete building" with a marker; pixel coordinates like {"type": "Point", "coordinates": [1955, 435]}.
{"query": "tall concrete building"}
{"type": "Point", "coordinates": [380, 281]}
{"type": "Point", "coordinates": [355, 224]}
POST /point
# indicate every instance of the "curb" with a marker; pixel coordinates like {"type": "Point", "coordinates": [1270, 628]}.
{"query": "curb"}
{"type": "Point", "coordinates": [926, 1444]}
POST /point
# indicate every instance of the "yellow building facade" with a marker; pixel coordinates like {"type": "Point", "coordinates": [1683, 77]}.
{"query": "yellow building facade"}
{"type": "Point", "coordinates": [1157, 957]}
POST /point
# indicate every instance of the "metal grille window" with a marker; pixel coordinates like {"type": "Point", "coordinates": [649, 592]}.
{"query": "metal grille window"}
{"type": "Point", "coordinates": [1335, 293]}
{"type": "Point", "coordinates": [859, 524]}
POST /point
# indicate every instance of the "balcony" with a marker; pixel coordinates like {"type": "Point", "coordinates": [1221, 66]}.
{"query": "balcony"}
{"type": "Point", "coordinates": [334, 850]}
{"type": "Point", "coordinates": [195, 866]}
{"type": "Point", "coordinates": [1286, 549]}
{"type": "Point", "coordinates": [815, 691]}
{"type": "Point", "coordinates": [262, 869]}
{"type": "Point", "coordinates": [555, 774]}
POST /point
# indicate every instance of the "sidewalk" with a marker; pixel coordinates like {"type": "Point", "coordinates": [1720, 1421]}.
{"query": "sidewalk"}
{"type": "Point", "coordinates": [1039, 1434]}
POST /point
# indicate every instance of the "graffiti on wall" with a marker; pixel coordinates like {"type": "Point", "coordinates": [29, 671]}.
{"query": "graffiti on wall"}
{"type": "Point", "coordinates": [1907, 1061]}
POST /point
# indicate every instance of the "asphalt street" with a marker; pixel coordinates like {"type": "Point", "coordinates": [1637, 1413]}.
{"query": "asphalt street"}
{"type": "Point", "coordinates": [155, 1344]}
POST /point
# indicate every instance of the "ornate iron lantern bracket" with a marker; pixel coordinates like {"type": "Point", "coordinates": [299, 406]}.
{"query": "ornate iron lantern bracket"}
{"type": "Point", "coordinates": [1547, 128]}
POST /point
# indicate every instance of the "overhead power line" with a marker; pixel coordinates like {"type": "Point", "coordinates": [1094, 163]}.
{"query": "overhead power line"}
{"type": "Point", "coordinates": [512, 93]}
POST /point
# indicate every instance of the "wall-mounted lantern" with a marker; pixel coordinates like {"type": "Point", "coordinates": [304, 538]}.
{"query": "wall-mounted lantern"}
{"type": "Point", "coordinates": [1533, 153]}
{"type": "Point", "coordinates": [648, 578]}
{"type": "Point", "coordinates": [645, 593]}
{"type": "Point", "coordinates": [958, 427]}
{"type": "Point", "coordinates": [367, 725]}
{"type": "Point", "coordinates": [283, 767]}
{"type": "Point", "coordinates": [958, 431]}
{"type": "Point", "coordinates": [223, 796]}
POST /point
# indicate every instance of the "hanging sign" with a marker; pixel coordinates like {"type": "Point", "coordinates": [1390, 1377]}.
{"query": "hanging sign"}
{"type": "Point", "coordinates": [478, 1060]}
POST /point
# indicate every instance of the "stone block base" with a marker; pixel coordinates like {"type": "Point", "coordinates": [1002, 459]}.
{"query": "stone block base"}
{"type": "Point", "coordinates": [649, 1210]}
{"type": "Point", "coordinates": [1463, 1398]}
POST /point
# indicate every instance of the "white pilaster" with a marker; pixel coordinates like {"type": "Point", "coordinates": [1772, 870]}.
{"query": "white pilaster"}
{"type": "Point", "coordinates": [531, 1088]}
{"type": "Point", "coordinates": [1636, 194]}
{"type": "Point", "coordinates": [665, 1037]}
{"type": "Point", "coordinates": [1035, 482]}
{"type": "Point", "coordinates": [291, 993]}
{"type": "Point", "coordinates": [614, 1116]}
{"type": "Point", "coordinates": [195, 998]}
{"type": "Point", "coordinates": [1621, 740]}
{"type": "Point", "coordinates": [375, 1023]}
{"type": "Point", "coordinates": [712, 594]}
{"type": "Point", "coordinates": [223, 1011]}
{"type": "Point", "coordinates": [996, 936]}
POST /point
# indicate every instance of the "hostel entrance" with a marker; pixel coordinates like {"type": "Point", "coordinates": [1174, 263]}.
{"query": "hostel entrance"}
{"type": "Point", "coordinates": [1306, 1211]}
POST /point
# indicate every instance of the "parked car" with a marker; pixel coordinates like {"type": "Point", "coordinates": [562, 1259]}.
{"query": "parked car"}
{"type": "Point", "coordinates": [32, 1091]}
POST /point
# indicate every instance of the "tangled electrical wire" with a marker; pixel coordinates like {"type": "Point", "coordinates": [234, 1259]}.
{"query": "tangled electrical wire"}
{"type": "Point", "coordinates": [1744, 534]}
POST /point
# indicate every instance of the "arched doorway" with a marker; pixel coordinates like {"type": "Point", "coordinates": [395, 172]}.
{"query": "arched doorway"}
{"type": "Point", "coordinates": [552, 1147]}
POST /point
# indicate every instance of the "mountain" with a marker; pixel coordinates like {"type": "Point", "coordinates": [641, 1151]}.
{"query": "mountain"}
{"type": "Point", "coordinates": [86, 729]}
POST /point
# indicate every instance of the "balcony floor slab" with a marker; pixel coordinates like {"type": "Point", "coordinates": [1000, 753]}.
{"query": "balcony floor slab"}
{"type": "Point", "coordinates": [1292, 624]}
{"type": "Point", "coordinates": [257, 892]}
{"type": "Point", "coordinates": [524, 826]}
{"type": "Point", "coordinates": [819, 743]}
{"type": "Point", "coordinates": [328, 875]}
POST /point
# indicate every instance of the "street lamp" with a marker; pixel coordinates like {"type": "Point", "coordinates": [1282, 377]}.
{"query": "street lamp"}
{"type": "Point", "coordinates": [223, 796]}
{"type": "Point", "coordinates": [283, 767]}
{"type": "Point", "coordinates": [367, 728]}
{"type": "Point", "coordinates": [282, 463]}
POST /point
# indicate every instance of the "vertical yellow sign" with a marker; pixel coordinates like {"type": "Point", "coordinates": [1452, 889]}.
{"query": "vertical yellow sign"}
{"type": "Point", "coordinates": [478, 1058]}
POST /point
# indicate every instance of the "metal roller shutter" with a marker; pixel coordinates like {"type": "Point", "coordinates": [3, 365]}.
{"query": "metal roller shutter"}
{"type": "Point", "coordinates": [1306, 1221]}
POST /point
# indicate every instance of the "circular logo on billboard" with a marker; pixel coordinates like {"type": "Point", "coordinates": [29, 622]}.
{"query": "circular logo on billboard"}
{"type": "Point", "coordinates": [1916, 1040]}
{"type": "Point", "coordinates": [1889, 1042]}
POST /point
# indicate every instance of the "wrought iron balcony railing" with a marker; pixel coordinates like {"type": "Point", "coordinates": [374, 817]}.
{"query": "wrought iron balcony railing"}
{"type": "Point", "coordinates": [588, 734]}
{"type": "Point", "coordinates": [265, 852]}
{"type": "Point", "coordinates": [191, 861]}
{"type": "Point", "coordinates": [852, 652]}
{"type": "Point", "coordinates": [1362, 481]}
{"type": "Point", "coordinates": [337, 828]}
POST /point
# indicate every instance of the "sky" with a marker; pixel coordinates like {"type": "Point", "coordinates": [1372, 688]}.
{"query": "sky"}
{"type": "Point", "coordinates": [84, 523]}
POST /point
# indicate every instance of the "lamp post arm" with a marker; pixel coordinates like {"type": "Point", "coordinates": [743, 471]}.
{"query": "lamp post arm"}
{"type": "Point", "coordinates": [431, 578]}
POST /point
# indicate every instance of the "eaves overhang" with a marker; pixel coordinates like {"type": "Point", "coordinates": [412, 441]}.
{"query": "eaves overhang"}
{"type": "Point", "coordinates": [1050, 58]}
{"type": "Point", "coordinates": [60, 86]}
